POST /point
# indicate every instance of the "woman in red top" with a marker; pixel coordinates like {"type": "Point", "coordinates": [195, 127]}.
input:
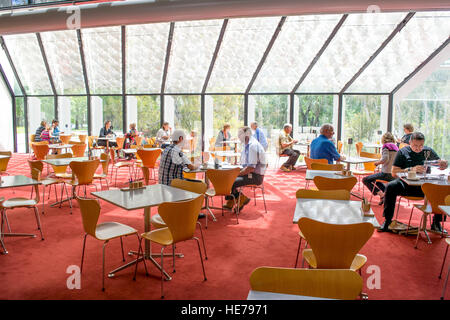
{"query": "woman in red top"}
{"type": "Point", "coordinates": [45, 134]}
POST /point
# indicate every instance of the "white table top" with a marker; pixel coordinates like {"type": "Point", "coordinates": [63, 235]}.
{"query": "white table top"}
{"type": "Point", "coordinates": [65, 161]}
{"type": "Point", "coordinates": [60, 146]}
{"type": "Point", "coordinates": [16, 181]}
{"type": "Point", "coordinates": [150, 196]}
{"type": "Point", "coordinates": [446, 209]}
{"type": "Point", "coordinates": [332, 211]}
{"type": "Point", "coordinates": [263, 295]}
{"type": "Point", "coordinates": [355, 160]}
{"type": "Point", "coordinates": [372, 145]}
{"type": "Point", "coordinates": [226, 153]}
{"type": "Point", "coordinates": [430, 178]}
{"type": "Point", "coordinates": [4, 156]}
{"type": "Point", "coordinates": [310, 174]}
{"type": "Point", "coordinates": [223, 166]}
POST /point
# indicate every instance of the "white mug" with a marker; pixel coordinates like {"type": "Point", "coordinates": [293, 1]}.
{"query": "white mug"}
{"type": "Point", "coordinates": [411, 174]}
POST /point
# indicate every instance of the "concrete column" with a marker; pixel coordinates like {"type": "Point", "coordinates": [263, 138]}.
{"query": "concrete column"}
{"type": "Point", "coordinates": [34, 114]}
{"type": "Point", "coordinates": [132, 116]}
{"type": "Point", "coordinates": [251, 110]}
{"type": "Point", "coordinates": [6, 123]}
{"type": "Point", "coordinates": [65, 120]}
{"type": "Point", "coordinates": [169, 111]}
{"type": "Point", "coordinates": [96, 114]}
{"type": "Point", "coordinates": [209, 130]}
{"type": "Point", "coordinates": [384, 114]}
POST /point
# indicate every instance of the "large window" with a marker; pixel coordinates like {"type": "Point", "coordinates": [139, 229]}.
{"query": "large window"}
{"type": "Point", "coordinates": [362, 119]}
{"type": "Point", "coordinates": [40, 108]}
{"type": "Point", "coordinates": [20, 125]}
{"type": "Point", "coordinates": [105, 108]}
{"type": "Point", "coordinates": [271, 112]}
{"type": "Point", "coordinates": [145, 112]}
{"type": "Point", "coordinates": [72, 114]}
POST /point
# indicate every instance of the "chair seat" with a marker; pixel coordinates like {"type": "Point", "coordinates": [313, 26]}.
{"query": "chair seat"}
{"type": "Point", "coordinates": [210, 192]}
{"type": "Point", "coordinates": [357, 262]}
{"type": "Point", "coordinates": [49, 181]}
{"type": "Point", "coordinates": [161, 236]}
{"type": "Point", "coordinates": [362, 172]}
{"type": "Point", "coordinates": [100, 176]}
{"type": "Point", "coordinates": [424, 209]}
{"type": "Point", "coordinates": [157, 221]}
{"type": "Point", "coordinates": [412, 198]}
{"type": "Point", "coordinates": [111, 230]}
{"type": "Point", "coordinates": [19, 202]}
{"type": "Point", "coordinates": [123, 164]}
{"type": "Point", "coordinates": [64, 175]}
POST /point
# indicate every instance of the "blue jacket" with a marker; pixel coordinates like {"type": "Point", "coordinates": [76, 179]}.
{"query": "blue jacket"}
{"type": "Point", "coordinates": [259, 135]}
{"type": "Point", "coordinates": [322, 148]}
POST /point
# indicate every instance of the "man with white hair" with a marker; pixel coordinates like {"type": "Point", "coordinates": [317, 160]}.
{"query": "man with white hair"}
{"type": "Point", "coordinates": [323, 148]}
{"type": "Point", "coordinates": [285, 143]}
{"type": "Point", "coordinates": [259, 135]}
{"type": "Point", "coordinates": [173, 160]}
{"type": "Point", "coordinates": [253, 161]}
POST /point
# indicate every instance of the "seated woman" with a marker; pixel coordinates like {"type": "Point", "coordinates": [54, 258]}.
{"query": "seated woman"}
{"type": "Point", "coordinates": [45, 134]}
{"type": "Point", "coordinates": [408, 129]}
{"type": "Point", "coordinates": [223, 136]}
{"type": "Point", "coordinates": [163, 135]}
{"type": "Point", "coordinates": [389, 151]}
{"type": "Point", "coordinates": [106, 131]}
{"type": "Point", "coordinates": [37, 136]}
{"type": "Point", "coordinates": [130, 137]}
{"type": "Point", "coordinates": [54, 131]}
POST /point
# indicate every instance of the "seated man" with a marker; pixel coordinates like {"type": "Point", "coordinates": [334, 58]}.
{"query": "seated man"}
{"type": "Point", "coordinates": [286, 142]}
{"type": "Point", "coordinates": [163, 134]}
{"type": "Point", "coordinates": [408, 158]}
{"type": "Point", "coordinates": [173, 160]}
{"type": "Point", "coordinates": [259, 135]}
{"type": "Point", "coordinates": [323, 148]}
{"type": "Point", "coordinates": [37, 136]}
{"type": "Point", "coordinates": [253, 161]}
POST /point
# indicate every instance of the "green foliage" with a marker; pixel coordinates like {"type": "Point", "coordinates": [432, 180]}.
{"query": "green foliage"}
{"type": "Point", "coordinates": [315, 110]}
{"type": "Point", "coordinates": [228, 109]}
{"type": "Point", "coordinates": [362, 117]}
{"type": "Point", "coordinates": [78, 113]}
{"type": "Point", "coordinates": [187, 113]}
{"type": "Point", "coordinates": [112, 110]}
{"type": "Point", "coordinates": [148, 115]}
{"type": "Point", "coordinates": [271, 112]}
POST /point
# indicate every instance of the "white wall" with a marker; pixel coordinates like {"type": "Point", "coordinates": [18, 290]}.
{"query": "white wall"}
{"type": "Point", "coordinates": [131, 112]}
{"type": "Point", "coordinates": [96, 114]}
{"type": "Point", "coordinates": [6, 120]}
{"type": "Point", "coordinates": [64, 115]}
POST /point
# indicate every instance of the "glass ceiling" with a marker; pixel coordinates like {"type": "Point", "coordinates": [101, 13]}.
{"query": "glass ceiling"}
{"type": "Point", "coordinates": [241, 51]}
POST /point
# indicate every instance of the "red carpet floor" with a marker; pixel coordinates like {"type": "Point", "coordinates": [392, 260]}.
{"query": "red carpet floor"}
{"type": "Point", "coordinates": [36, 269]}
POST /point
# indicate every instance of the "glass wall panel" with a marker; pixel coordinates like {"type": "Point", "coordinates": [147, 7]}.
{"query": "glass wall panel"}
{"type": "Point", "coordinates": [421, 36]}
{"type": "Point", "coordinates": [40, 108]}
{"type": "Point", "coordinates": [361, 117]}
{"type": "Point", "coordinates": [9, 73]}
{"type": "Point", "coordinates": [271, 112]}
{"type": "Point", "coordinates": [145, 63]}
{"type": "Point", "coordinates": [72, 114]}
{"type": "Point", "coordinates": [27, 58]}
{"type": "Point", "coordinates": [244, 43]}
{"type": "Point", "coordinates": [312, 112]}
{"type": "Point", "coordinates": [145, 112]}
{"type": "Point", "coordinates": [192, 50]}
{"type": "Point", "coordinates": [289, 56]}
{"type": "Point", "coordinates": [220, 110]}
{"type": "Point", "coordinates": [357, 39]}
{"type": "Point", "coordinates": [103, 55]}
{"type": "Point", "coordinates": [112, 110]}
{"type": "Point", "coordinates": [427, 108]}
{"type": "Point", "coordinates": [63, 55]}
{"type": "Point", "coordinates": [20, 125]}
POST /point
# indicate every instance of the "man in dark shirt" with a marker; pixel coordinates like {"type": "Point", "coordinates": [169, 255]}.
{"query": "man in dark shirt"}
{"type": "Point", "coordinates": [408, 158]}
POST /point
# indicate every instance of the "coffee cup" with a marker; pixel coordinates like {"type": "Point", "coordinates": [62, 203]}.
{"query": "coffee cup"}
{"type": "Point", "coordinates": [411, 174]}
{"type": "Point", "coordinates": [348, 173]}
{"type": "Point", "coordinates": [365, 205]}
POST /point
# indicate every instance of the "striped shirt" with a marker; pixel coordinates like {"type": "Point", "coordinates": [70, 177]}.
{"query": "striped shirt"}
{"type": "Point", "coordinates": [173, 160]}
{"type": "Point", "coordinates": [37, 136]}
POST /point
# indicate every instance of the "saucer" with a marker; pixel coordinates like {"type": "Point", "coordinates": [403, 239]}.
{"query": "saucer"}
{"type": "Point", "coordinates": [413, 179]}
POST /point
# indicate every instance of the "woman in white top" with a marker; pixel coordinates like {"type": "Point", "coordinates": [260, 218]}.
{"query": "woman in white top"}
{"type": "Point", "coordinates": [389, 151]}
{"type": "Point", "coordinates": [163, 134]}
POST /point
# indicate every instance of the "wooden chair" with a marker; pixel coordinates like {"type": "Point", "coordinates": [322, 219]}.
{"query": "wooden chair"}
{"type": "Point", "coordinates": [323, 183]}
{"type": "Point", "coordinates": [91, 146]}
{"type": "Point", "coordinates": [447, 203]}
{"type": "Point", "coordinates": [4, 162]}
{"type": "Point", "coordinates": [78, 150]}
{"type": "Point", "coordinates": [105, 168]}
{"type": "Point", "coordinates": [359, 146]}
{"type": "Point", "coordinates": [65, 139]}
{"type": "Point", "coordinates": [321, 283]}
{"type": "Point", "coordinates": [317, 194]}
{"type": "Point", "coordinates": [335, 246]}
{"type": "Point", "coordinates": [402, 145]}
{"type": "Point", "coordinates": [40, 150]}
{"type": "Point", "coordinates": [106, 231]}
{"type": "Point", "coordinates": [310, 161]}
{"type": "Point", "coordinates": [435, 196]}
{"type": "Point", "coordinates": [339, 146]}
{"type": "Point", "coordinates": [120, 164]}
{"type": "Point", "coordinates": [82, 138]}
{"type": "Point", "coordinates": [196, 187]}
{"type": "Point", "coordinates": [369, 167]}
{"type": "Point", "coordinates": [60, 171]}
{"type": "Point", "coordinates": [38, 165]}
{"type": "Point", "coordinates": [151, 141]}
{"type": "Point", "coordinates": [328, 167]}
{"type": "Point", "coordinates": [222, 181]}
{"type": "Point", "coordinates": [138, 140]}
{"type": "Point", "coordinates": [83, 175]}
{"type": "Point", "coordinates": [181, 219]}
{"type": "Point", "coordinates": [14, 203]}
{"type": "Point", "coordinates": [148, 158]}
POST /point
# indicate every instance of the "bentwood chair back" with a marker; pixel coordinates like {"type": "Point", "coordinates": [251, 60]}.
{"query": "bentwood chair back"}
{"type": "Point", "coordinates": [4, 162]}
{"type": "Point", "coordinates": [335, 246]}
{"type": "Point", "coordinates": [105, 163]}
{"type": "Point", "coordinates": [78, 149]}
{"type": "Point", "coordinates": [321, 283]}
{"type": "Point", "coordinates": [323, 194]}
{"type": "Point", "coordinates": [84, 170]}
{"type": "Point", "coordinates": [82, 138]}
{"type": "Point", "coordinates": [40, 150]}
{"type": "Point", "coordinates": [402, 145]}
{"type": "Point", "coordinates": [359, 146]}
{"type": "Point", "coordinates": [90, 212]}
{"type": "Point", "coordinates": [339, 146]}
{"type": "Point", "coordinates": [310, 161]}
{"type": "Point", "coordinates": [60, 171]}
{"type": "Point", "coordinates": [222, 180]}
{"type": "Point", "coordinates": [317, 194]}
{"type": "Point", "coordinates": [181, 219]}
{"type": "Point", "coordinates": [325, 166]}
{"type": "Point", "coordinates": [149, 157]}
{"type": "Point", "coordinates": [138, 140]}
{"type": "Point", "coordinates": [435, 195]}
{"type": "Point", "coordinates": [119, 141]}
{"type": "Point", "coordinates": [65, 139]}
{"type": "Point", "coordinates": [324, 183]}
{"type": "Point", "coordinates": [370, 167]}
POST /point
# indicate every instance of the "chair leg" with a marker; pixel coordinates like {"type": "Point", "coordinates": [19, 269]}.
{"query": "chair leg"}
{"type": "Point", "coordinates": [103, 265]}
{"type": "Point", "coordinates": [82, 252]}
{"type": "Point", "coordinates": [162, 273]}
{"type": "Point", "coordinates": [137, 258]}
{"type": "Point", "coordinates": [43, 200]}
{"type": "Point", "coordinates": [409, 222]}
{"type": "Point", "coordinates": [443, 262]}
{"type": "Point", "coordinates": [121, 245]}
{"type": "Point", "coordinates": [201, 258]}
{"type": "Point", "coordinates": [445, 284]}
{"type": "Point", "coordinates": [298, 251]}
{"type": "Point", "coordinates": [398, 207]}
{"type": "Point", "coordinates": [173, 257]}
{"type": "Point", "coordinates": [203, 239]}
{"type": "Point", "coordinates": [254, 195]}
{"type": "Point", "coordinates": [264, 199]}
{"type": "Point", "coordinates": [38, 221]}
{"type": "Point", "coordinates": [303, 258]}
{"type": "Point", "coordinates": [6, 220]}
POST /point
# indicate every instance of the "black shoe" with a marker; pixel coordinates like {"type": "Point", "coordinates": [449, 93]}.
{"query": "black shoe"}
{"type": "Point", "coordinates": [201, 216]}
{"type": "Point", "coordinates": [436, 226]}
{"type": "Point", "coordinates": [381, 202]}
{"type": "Point", "coordinates": [385, 227]}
